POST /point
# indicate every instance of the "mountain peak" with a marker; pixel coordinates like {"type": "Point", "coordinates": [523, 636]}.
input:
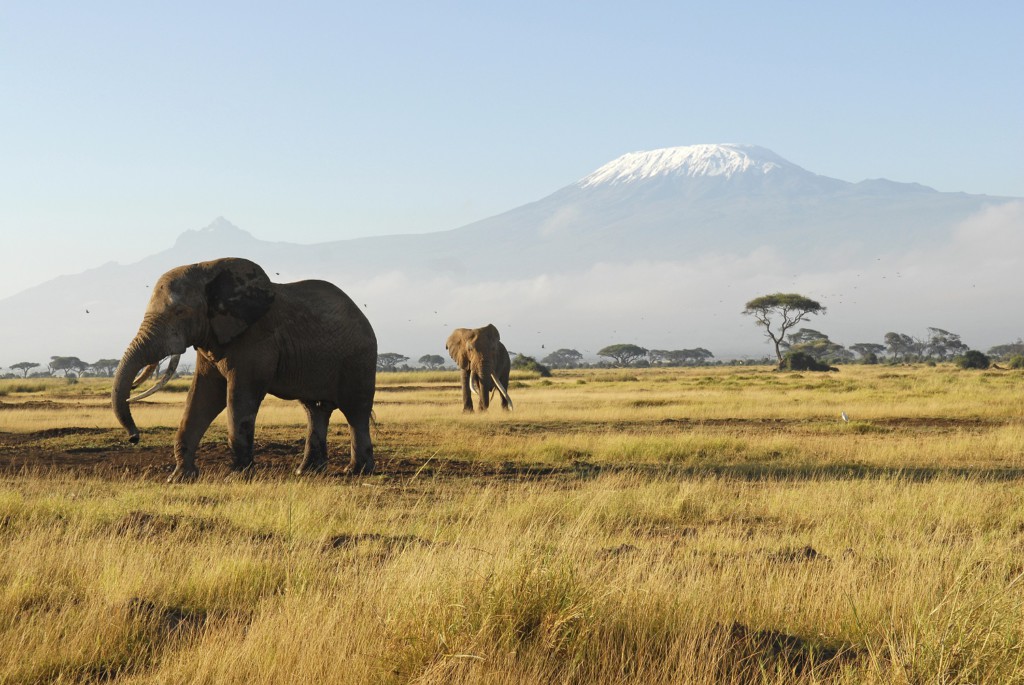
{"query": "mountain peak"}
{"type": "Point", "coordinates": [221, 224]}
{"type": "Point", "coordinates": [220, 231]}
{"type": "Point", "coordinates": [725, 160]}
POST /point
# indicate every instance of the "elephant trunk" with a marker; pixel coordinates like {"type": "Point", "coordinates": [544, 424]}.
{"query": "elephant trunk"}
{"type": "Point", "coordinates": [145, 349]}
{"type": "Point", "coordinates": [483, 379]}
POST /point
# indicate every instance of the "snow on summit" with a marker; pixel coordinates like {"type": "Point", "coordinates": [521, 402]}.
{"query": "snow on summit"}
{"type": "Point", "coordinates": [690, 160]}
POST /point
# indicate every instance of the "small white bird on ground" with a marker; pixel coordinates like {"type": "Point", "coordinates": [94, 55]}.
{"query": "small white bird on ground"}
{"type": "Point", "coordinates": [844, 417]}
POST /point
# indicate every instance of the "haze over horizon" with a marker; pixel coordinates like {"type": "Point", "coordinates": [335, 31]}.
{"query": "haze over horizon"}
{"type": "Point", "coordinates": [660, 248]}
{"type": "Point", "coordinates": [129, 124]}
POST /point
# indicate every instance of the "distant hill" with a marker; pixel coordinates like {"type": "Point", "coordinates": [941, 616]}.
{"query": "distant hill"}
{"type": "Point", "coordinates": [659, 248]}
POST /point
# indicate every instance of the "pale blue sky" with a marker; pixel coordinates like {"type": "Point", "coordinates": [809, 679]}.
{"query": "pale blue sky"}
{"type": "Point", "coordinates": [123, 124]}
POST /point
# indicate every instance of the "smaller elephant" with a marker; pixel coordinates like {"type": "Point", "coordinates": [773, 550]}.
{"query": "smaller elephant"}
{"type": "Point", "coordinates": [485, 365]}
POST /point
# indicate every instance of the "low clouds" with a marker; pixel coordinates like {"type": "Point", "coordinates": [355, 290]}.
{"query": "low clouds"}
{"type": "Point", "coordinates": [968, 281]}
{"type": "Point", "coordinates": [968, 284]}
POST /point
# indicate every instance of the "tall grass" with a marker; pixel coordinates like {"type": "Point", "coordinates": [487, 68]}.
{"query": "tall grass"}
{"type": "Point", "coordinates": [696, 526]}
{"type": "Point", "coordinates": [441, 581]}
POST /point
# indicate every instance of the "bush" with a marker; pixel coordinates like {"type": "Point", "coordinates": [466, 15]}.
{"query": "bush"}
{"type": "Point", "coordinates": [801, 361]}
{"type": "Point", "coordinates": [973, 359]}
{"type": "Point", "coordinates": [1016, 361]}
{"type": "Point", "coordinates": [524, 363]}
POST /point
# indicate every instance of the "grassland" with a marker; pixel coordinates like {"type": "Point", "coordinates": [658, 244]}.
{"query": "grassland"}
{"type": "Point", "coordinates": [654, 526]}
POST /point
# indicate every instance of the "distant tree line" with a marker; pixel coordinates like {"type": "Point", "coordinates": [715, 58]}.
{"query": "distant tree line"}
{"type": "Point", "coordinates": [71, 367]}
{"type": "Point", "coordinates": [938, 345]}
{"type": "Point", "coordinates": [68, 367]}
{"type": "Point", "coordinates": [809, 349]}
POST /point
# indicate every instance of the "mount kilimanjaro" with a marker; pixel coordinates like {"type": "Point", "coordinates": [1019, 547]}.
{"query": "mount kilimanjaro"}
{"type": "Point", "coordinates": [660, 248]}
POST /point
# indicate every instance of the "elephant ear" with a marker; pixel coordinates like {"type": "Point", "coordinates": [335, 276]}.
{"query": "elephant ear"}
{"type": "Point", "coordinates": [491, 331]}
{"type": "Point", "coordinates": [237, 297]}
{"type": "Point", "coordinates": [489, 338]}
{"type": "Point", "coordinates": [456, 346]}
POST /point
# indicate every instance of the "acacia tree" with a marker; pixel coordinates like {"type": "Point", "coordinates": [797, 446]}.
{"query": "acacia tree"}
{"type": "Point", "coordinates": [783, 311]}
{"type": "Point", "coordinates": [902, 344]}
{"type": "Point", "coordinates": [389, 361]}
{"type": "Point", "coordinates": [431, 361]}
{"type": "Point", "coordinates": [998, 351]}
{"type": "Point", "coordinates": [624, 354]}
{"type": "Point", "coordinates": [697, 355]}
{"type": "Point", "coordinates": [25, 366]}
{"type": "Point", "coordinates": [816, 344]}
{"type": "Point", "coordinates": [943, 344]}
{"type": "Point", "coordinates": [106, 367]}
{"type": "Point", "coordinates": [868, 351]}
{"type": "Point", "coordinates": [67, 365]}
{"type": "Point", "coordinates": [564, 358]}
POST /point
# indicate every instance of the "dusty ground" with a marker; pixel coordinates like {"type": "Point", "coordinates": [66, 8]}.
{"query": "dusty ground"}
{"type": "Point", "coordinates": [105, 453]}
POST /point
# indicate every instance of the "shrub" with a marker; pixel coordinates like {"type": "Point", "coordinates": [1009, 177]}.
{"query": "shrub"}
{"type": "Point", "coordinates": [973, 359]}
{"type": "Point", "coordinates": [1016, 361]}
{"type": "Point", "coordinates": [524, 363]}
{"type": "Point", "coordinates": [801, 361]}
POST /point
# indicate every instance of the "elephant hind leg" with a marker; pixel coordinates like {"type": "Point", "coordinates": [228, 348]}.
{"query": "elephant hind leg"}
{"type": "Point", "coordinates": [318, 415]}
{"type": "Point", "coordinates": [361, 446]}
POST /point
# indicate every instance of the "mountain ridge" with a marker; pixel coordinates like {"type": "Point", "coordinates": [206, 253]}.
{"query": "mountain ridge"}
{"type": "Point", "coordinates": [541, 265]}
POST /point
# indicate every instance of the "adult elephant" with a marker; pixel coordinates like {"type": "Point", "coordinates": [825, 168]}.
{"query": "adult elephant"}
{"type": "Point", "coordinates": [304, 341]}
{"type": "Point", "coordinates": [485, 365]}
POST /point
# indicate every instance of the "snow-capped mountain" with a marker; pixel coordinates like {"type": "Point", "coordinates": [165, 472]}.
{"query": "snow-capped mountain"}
{"type": "Point", "coordinates": [661, 248]}
{"type": "Point", "coordinates": [675, 202]}
{"type": "Point", "coordinates": [690, 161]}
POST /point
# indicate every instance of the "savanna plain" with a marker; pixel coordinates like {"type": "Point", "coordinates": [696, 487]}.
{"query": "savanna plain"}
{"type": "Point", "coordinates": [708, 525]}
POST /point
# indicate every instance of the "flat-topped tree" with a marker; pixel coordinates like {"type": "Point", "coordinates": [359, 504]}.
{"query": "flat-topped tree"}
{"type": "Point", "coordinates": [779, 312]}
{"type": "Point", "coordinates": [565, 358]}
{"type": "Point", "coordinates": [106, 367]}
{"type": "Point", "coordinates": [25, 366]}
{"type": "Point", "coordinates": [389, 361]}
{"type": "Point", "coordinates": [431, 361]}
{"type": "Point", "coordinates": [869, 352]}
{"type": "Point", "coordinates": [624, 354]}
{"type": "Point", "coordinates": [67, 364]}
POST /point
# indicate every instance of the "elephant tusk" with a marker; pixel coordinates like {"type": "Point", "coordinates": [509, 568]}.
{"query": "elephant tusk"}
{"type": "Point", "coordinates": [502, 390]}
{"type": "Point", "coordinates": [172, 366]}
{"type": "Point", "coordinates": [143, 375]}
{"type": "Point", "coordinates": [472, 386]}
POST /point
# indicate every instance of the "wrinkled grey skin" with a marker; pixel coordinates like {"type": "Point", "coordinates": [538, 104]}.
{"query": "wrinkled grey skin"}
{"type": "Point", "coordinates": [304, 341]}
{"type": "Point", "coordinates": [484, 361]}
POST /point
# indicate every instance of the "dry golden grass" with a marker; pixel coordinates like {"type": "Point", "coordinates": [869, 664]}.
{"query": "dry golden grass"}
{"type": "Point", "coordinates": [656, 526]}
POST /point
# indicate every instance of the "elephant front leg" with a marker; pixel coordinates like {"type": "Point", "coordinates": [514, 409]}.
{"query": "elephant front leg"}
{"type": "Point", "coordinates": [242, 408]}
{"type": "Point", "coordinates": [467, 396]}
{"type": "Point", "coordinates": [318, 415]}
{"type": "Point", "coordinates": [484, 388]}
{"type": "Point", "coordinates": [206, 400]}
